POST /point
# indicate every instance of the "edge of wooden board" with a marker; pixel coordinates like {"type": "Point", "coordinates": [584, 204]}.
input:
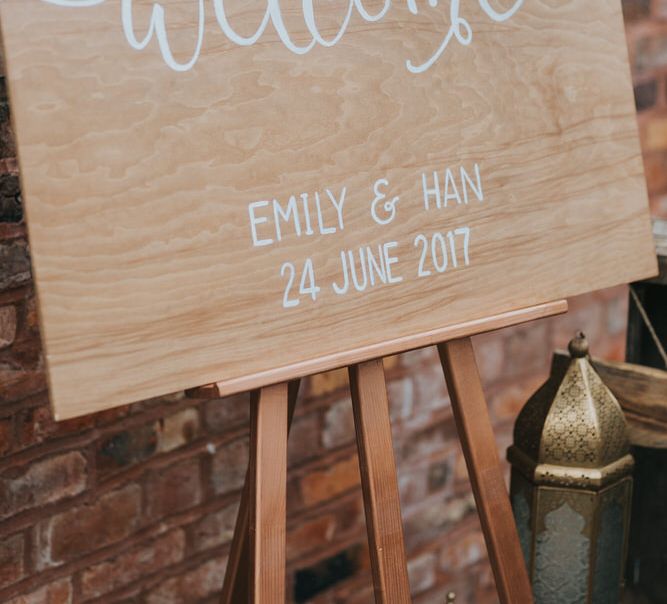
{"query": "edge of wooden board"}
{"type": "Point", "coordinates": [366, 353]}
{"type": "Point", "coordinates": [373, 351]}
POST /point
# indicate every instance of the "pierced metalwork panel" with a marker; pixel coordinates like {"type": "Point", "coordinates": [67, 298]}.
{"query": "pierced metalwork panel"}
{"type": "Point", "coordinates": [609, 557]}
{"type": "Point", "coordinates": [585, 426]}
{"type": "Point", "coordinates": [562, 559]}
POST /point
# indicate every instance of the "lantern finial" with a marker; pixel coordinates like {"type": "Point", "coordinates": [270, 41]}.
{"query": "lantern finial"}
{"type": "Point", "coordinates": [578, 347]}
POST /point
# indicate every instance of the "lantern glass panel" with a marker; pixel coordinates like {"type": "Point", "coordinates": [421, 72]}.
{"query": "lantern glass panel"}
{"type": "Point", "coordinates": [563, 546]}
{"type": "Point", "coordinates": [611, 537]}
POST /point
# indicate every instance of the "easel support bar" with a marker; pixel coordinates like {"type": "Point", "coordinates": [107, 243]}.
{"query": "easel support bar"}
{"type": "Point", "coordinates": [236, 584]}
{"type": "Point", "coordinates": [479, 448]}
{"type": "Point", "coordinates": [379, 483]}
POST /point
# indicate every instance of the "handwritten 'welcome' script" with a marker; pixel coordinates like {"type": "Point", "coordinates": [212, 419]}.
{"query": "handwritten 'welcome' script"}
{"type": "Point", "coordinates": [459, 27]}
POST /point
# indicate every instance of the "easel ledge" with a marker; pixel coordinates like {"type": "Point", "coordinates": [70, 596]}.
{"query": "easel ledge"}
{"type": "Point", "coordinates": [383, 349]}
{"type": "Point", "coordinates": [256, 566]}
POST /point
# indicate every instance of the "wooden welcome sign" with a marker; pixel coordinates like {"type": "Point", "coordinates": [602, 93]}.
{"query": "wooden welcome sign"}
{"type": "Point", "coordinates": [246, 191]}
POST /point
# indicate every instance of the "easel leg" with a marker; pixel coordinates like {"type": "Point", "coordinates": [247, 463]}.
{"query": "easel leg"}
{"type": "Point", "coordinates": [268, 494]}
{"type": "Point", "coordinates": [235, 589]}
{"type": "Point", "coordinates": [379, 483]}
{"type": "Point", "coordinates": [479, 448]}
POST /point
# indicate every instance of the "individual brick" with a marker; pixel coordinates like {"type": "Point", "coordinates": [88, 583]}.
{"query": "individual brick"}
{"type": "Point", "coordinates": [646, 95]}
{"type": "Point", "coordinates": [126, 448]}
{"type": "Point", "coordinates": [304, 439]}
{"type": "Point", "coordinates": [58, 592]}
{"type": "Point", "coordinates": [11, 208]}
{"type": "Point", "coordinates": [42, 482]}
{"type": "Point", "coordinates": [6, 435]}
{"type": "Point", "coordinates": [327, 383]}
{"type": "Point", "coordinates": [433, 439]}
{"type": "Point", "coordinates": [88, 527]}
{"type": "Point", "coordinates": [310, 535]}
{"type": "Point", "coordinates": [507, 401]}
{"type": "Point", "coordinates": [655, 170]}
{"type": "Point", "coordinates": [7, 325]}
{"type": "Point", "coordinates": [422, 573]}
{"type": "Point", "coordinates": [655, 134]}
{"type": "Point", "coordinates": [401, 393]}
{"type": "Point", "coordinates": [12, 559]}
{"type": "Point", "coordinates": [226, 413]}
{"type": "Point", "coordinates": [465, 547]}
{"type": "Point", "coordinates": [19, 383]}
{"type": "Point", "coordinates": [178, 429]}
{"type": "Point", "coordinates": [490, 356]}
{"type": "Point", "coordinates": [15, 263]}
{"type": "Point", "coordinates": [326, 483]}
{"type": "Point", "coordinates": [634, 10]}
{"type": "Point", "coordinates": [229, 467]}
{"type": "Point", "coordinates": [193, 586]}
{"type": "Point", "coordinates": [215, 529]}
{"type": "Point", "coordinates": [173, 489]}
{"type": "Point", "coordinates": [526, 349]}
{"type": "Point", "coordinates": [128, 567]}
{"type": "Point", "coordinates": [338, 427]}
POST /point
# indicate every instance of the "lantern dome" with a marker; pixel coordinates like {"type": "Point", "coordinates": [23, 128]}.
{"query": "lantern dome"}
{"type": "Point", "coordinates": [572, 430]}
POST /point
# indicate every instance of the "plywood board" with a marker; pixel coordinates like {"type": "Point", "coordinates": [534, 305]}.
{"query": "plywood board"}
{"type": "Point", "coordinates": [199, 176]}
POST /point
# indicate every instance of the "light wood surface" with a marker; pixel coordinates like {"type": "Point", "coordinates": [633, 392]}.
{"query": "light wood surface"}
{"type": "Point", "coordinates": [646, 431]}
{"type": "Point", "coordinates": [479, 448]}
{"type": "Point", "coordinates": [138, 181]}
{"type": "Point", "coordinates": [387, 348]}
{"type": "Point", "coordinates": [235, 587]}
{"type": "Point", "coordinates": [268, 494]}
{"type": "Point", "coordinates": [642, 390]}
{"type": "Point", "coordinates": [379, 483]}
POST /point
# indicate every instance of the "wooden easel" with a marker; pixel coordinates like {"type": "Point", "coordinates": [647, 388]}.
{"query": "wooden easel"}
{"type": "Point", "coordinates": [256, 567]}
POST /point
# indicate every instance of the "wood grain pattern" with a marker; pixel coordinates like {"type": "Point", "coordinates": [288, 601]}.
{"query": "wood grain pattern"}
{"type": "Point", "coordinates": [379, 483]}
{"type": "Point", "coordinates": [236, 585]}
{"type": "Point", "coordinates": [137, 181]}
{"type": "Point", "coordinates": [486, 476]}
{"type": "Point", "coordinates": [268, 494]}
{"type": "Point", "coordinates": [389, 347]}
{"type": "Point", "coordinates": [642, 390]}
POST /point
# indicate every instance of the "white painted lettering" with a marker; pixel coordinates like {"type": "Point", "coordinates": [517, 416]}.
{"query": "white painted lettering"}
{"type": "Point", "coordinates": [459, 28]}
{"type": "Point", "coordinates": [255, 220]}
{"type": "Point", "coordinates": [390, 260]}
{"type": "Point", "coordinates": [324, 230]}
{"type": "Point", "coordinates": [475, 186]}
{"type": "Point", "coordinates": [338, 204]}
{"type": "Point", "coordinates": [450, 183]}
{"type": "Point", "coordinates": [158, 28]}
{"type": "Point", "coordinates": [377, 266]}
{"type": "Point", "coordinates": [433, 191]}
{"type": "Point", "coordinates": [500, 17]}
{"type": "Point", "coordinates": [306, 214]}
{"type": "Point", "coordinates": [292, 211]}
{"type": "Point", "coordinates": [342, 290]}
{"type": "Point", "coordinates": [359, 285]}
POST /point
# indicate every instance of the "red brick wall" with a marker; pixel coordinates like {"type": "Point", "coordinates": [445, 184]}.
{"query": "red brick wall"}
{"type": "Point", "coordinates": [138, 504]}
{"type": "Point", "coordinates": [646, 27]}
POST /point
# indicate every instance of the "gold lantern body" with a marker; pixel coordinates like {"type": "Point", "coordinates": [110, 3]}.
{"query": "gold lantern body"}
{"type": "Point", "coordinates": [572, 485]}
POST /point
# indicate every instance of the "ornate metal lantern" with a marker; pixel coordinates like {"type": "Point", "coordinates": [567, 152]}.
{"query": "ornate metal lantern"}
{"type": "Point", "coordinates": [571, 485]}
